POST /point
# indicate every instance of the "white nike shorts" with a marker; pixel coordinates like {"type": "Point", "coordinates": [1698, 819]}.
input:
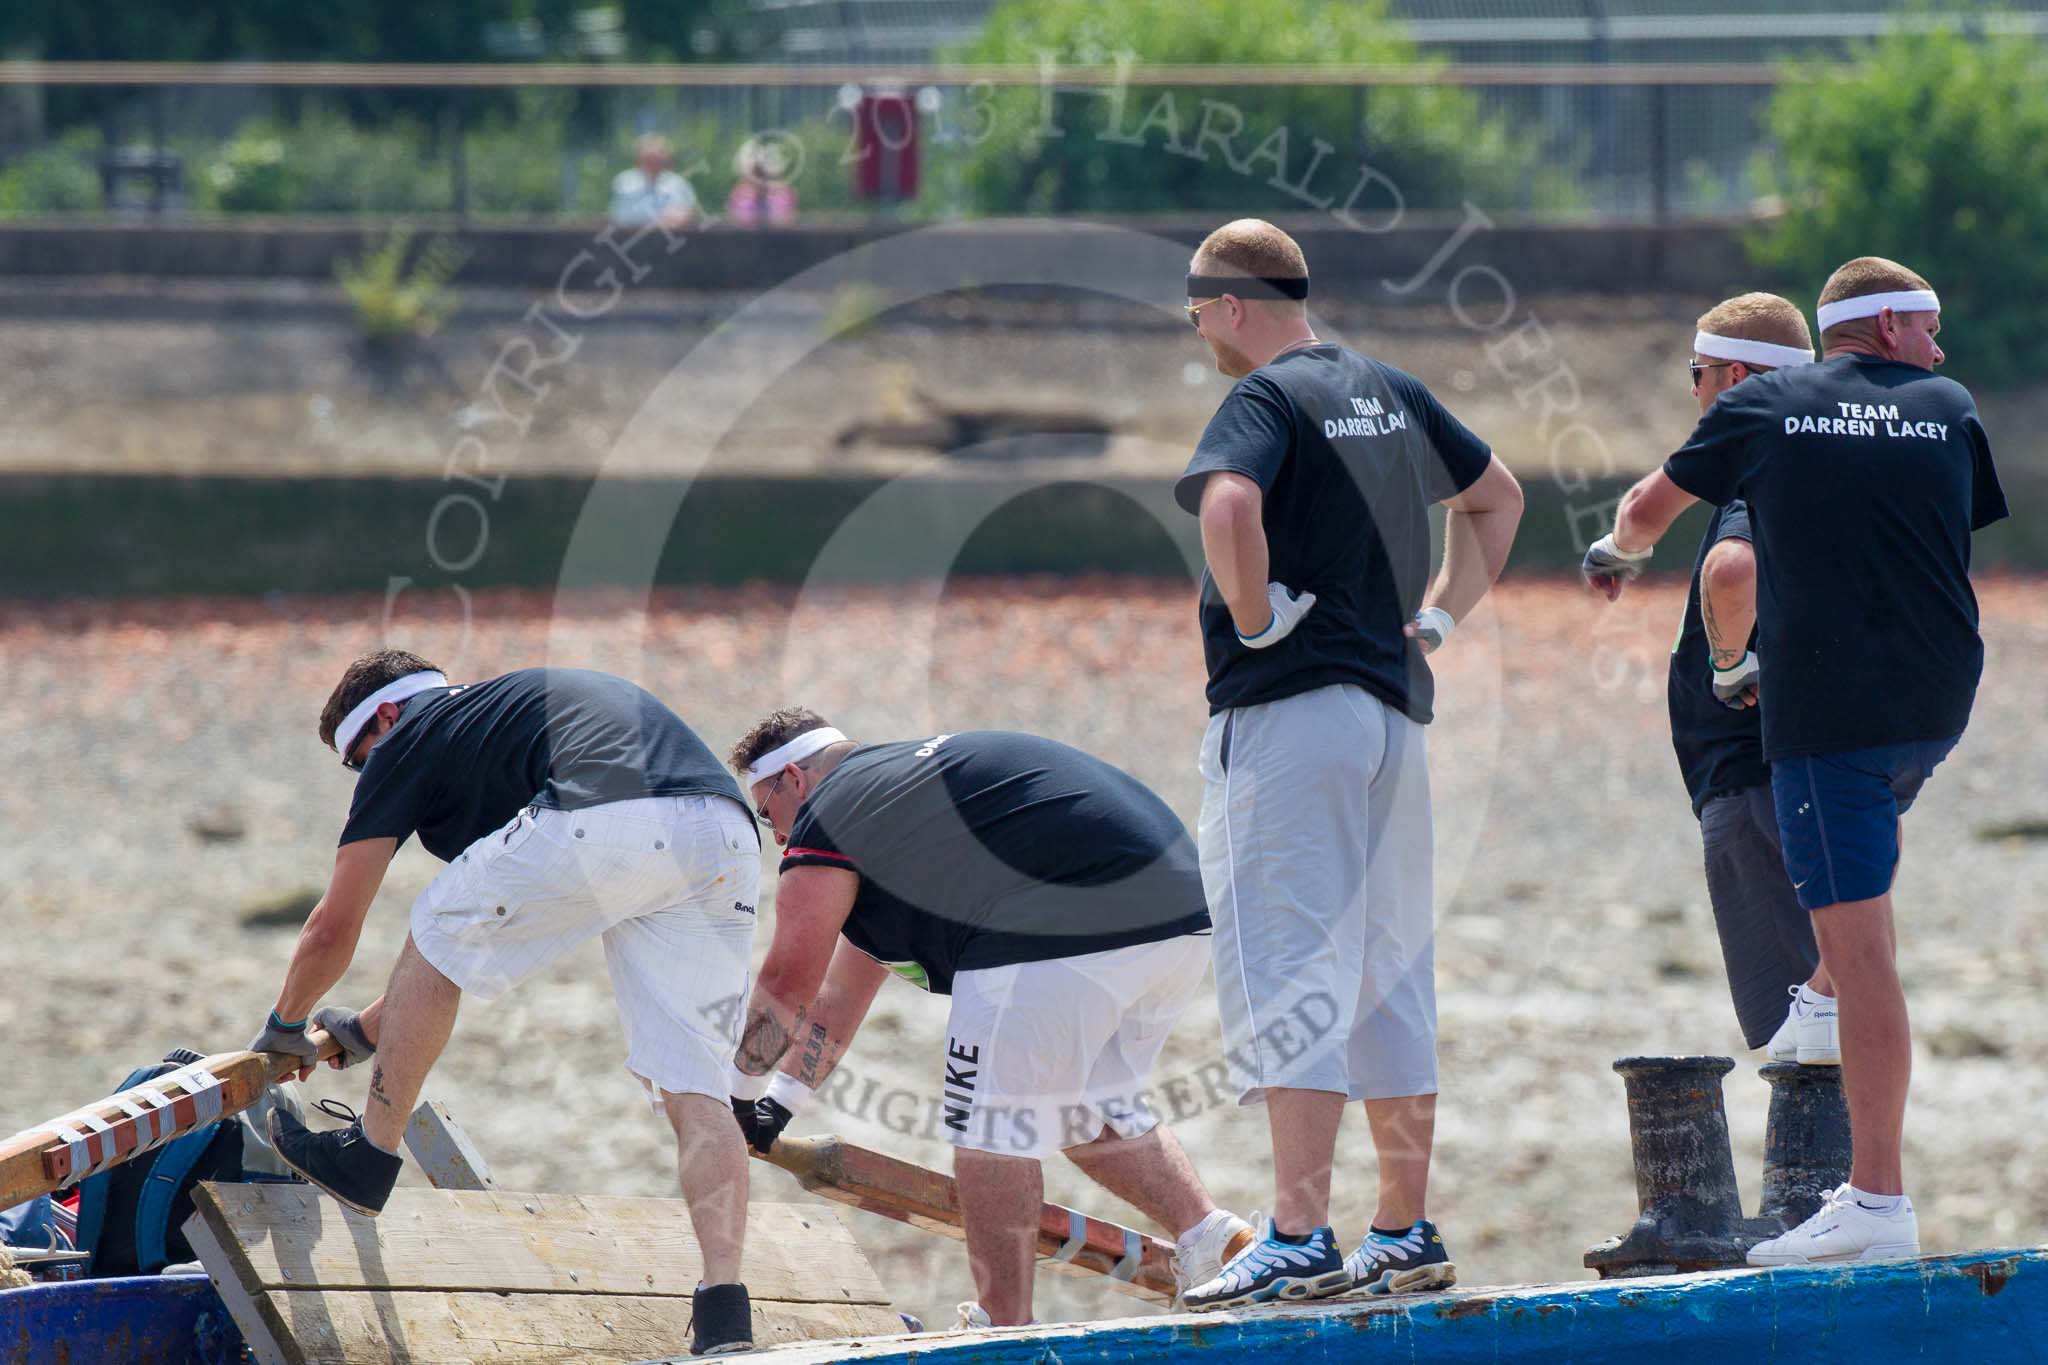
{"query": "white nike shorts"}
{"type": "Point", "coordinates": [1316, 849]}
{"type": "Point", "coordinates": [1042, 1056]}
{"type": "Point", "coordinates": [671, 884]}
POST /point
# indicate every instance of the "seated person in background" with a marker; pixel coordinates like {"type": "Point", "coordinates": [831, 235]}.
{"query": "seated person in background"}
{"type": "Point", "coordinates": [762, 194]}
{"type": "Point", "coordinates": [651, 192]}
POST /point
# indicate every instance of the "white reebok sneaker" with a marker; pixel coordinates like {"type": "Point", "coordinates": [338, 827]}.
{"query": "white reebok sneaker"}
{"type": "Point", "coordinates": [1809, 1034]}
{"type": "Point", "coordinates": [971, 1317]}
{"type": "Point", "coordinates": [1223, 1236]}
{"type": "Point", "coordinates": [1843, 1229]}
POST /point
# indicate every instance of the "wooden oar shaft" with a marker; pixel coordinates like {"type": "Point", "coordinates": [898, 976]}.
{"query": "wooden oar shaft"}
{"type": "Point", "coordinates": [1068, 1241]}
{"type": "Point", "coordinates": [107, 1132]}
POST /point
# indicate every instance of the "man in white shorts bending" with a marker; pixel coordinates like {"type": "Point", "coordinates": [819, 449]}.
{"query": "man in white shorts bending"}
{"type": "Point", "coordinates": [1313, 483]}
{"type": "Point", "coordinates": [1055, 898]}
{"type": "Point", "coordinates": [568, 805]}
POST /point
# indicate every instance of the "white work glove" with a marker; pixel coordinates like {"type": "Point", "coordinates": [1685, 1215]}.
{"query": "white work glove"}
{"type": "Point", "coordinates": [1607, 566]}
{"type": "Point", "coordinates": [1288, 609]}
{"type": "Point", "coordinates": [1430, 628]}
{"type": "Point", "coordinates": [1735, 688]}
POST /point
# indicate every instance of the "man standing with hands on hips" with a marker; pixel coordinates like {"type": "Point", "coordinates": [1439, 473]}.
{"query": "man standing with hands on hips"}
{"type": "Point", "coordinates": [1865, 476]}
{"type": "Point", "coordinates": [1313, 483]}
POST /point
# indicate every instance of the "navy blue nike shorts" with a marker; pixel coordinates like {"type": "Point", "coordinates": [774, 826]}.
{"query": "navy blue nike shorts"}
{"type": "Point", "coordinates": [1838, 816]}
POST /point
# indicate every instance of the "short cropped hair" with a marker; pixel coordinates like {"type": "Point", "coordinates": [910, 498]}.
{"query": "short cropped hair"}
{"type": "Point", "coordinates": [1250, 246]}
{"type": "Point", "coordinates": [771, 732]}
{"type": "Point", "coordinates": [1758, 317]}
{"type": "Point", "coordinates": [1865, 275]}
{"type": "Point", "coordinates": [1869, 275]}
{"type": "Point", "coordinates": [363, 677]}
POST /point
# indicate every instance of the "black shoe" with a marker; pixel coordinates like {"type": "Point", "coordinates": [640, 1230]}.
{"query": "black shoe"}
{"type": "Point", "coordinates": [341, 1162]}
{"type": "Point", "coordinates": [721, 1320]}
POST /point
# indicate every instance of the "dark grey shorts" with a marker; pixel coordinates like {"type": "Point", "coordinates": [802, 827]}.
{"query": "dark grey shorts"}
{"type": "Point", "coordinates": [1766, 935]}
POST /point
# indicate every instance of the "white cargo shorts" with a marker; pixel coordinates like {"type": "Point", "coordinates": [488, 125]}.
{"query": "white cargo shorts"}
{"type": "Point", "coordinates": [671, 883]}
{"type": "Point", "coordinates": [1042, 1056]}
{"type": "Point", "coordinates": [1316, 852]}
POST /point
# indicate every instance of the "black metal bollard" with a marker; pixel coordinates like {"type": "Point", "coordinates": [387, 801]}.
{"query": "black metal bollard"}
{"type": "Point", "coordinates": [1806, 1140]}
{"type": "Point", "coordinates": [1691, 1211]}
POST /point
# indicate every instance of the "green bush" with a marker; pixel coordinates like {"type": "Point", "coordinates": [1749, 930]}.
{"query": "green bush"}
{"type": "Point", "coordinates": [1933, 151]}
{"type": "Point", "coordinates": [59, 177]}
{"type": "Point", "coordinates": [252, 174]}
{"type": "Point", "coordinates": [393, 303]}
{"type": "Point", "coordinates": [1433, 142]}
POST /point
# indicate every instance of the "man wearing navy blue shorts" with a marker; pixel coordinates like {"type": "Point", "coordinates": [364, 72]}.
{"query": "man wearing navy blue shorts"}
{"type": "Point", "coordinates": [1766, 935]}
{"type": "Point", "coordinates": [1865, 476]}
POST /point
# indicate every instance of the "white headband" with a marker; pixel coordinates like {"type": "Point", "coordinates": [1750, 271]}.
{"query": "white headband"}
{"type": "Point", "coordinates": [1870, 305]}
{"type": "Point", "coordinates": [795, 751]}
{"type": "Point", "coordinates": [352, 724]}
{"type": "Point", "coordinates": [1749, 352]}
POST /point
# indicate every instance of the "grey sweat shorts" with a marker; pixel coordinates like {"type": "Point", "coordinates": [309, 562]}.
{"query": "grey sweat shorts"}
{"type": "Point", "coordinates": [1766, 935]}
{"type": "Point", "coordinates": [1316, 852]}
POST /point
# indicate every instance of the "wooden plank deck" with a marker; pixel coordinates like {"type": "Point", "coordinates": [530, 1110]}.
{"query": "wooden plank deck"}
{"type": "Point", "coordinates": [511, 1279]}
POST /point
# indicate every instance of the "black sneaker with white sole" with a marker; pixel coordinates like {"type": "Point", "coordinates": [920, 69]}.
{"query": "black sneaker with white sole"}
{"type": "Point", "coordinates": [721, 1320]}
{"type": "Point", "coordinates": [341, 1162]}
{"type": "Point", "coordinates": [1413, 1260]}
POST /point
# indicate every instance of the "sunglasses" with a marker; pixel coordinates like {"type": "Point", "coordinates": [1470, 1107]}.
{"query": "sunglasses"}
{"type": "Point", "coordinates": [761, 811]}
{"type": "Point", "coordinates": [1192, 309]}
{"type": "Point", "coordinates": [1695, 369]}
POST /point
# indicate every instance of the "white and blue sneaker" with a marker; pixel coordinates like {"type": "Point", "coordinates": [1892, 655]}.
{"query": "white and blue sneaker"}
{"type": "Point", "coordinates": [1272, 1269]}
{"type": "Point", "coordinates": [1404, 1264]}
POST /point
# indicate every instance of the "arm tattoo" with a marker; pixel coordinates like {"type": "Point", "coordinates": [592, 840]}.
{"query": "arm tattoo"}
{"type": "Point", "coordinates": [813, 1055]}
{"type": "Point", "coordinates": [764, 1041]}
{"type": "Point", "coordinates": [1724, 657]}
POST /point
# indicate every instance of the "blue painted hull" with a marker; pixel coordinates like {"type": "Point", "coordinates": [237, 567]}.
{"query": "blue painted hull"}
{"type": "Point", "coordinates": [1986, 1308]}
{"type": "Point", "coordinates": [146, 1320]}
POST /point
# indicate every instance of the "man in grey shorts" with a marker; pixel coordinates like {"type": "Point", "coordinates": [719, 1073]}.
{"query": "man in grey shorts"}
{"type": "Point", "coordinates": [1766, 935]}
{"type": "Point", "coordinates": [1313, 483]}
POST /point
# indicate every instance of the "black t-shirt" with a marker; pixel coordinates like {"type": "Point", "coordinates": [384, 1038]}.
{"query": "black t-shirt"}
{"type": "Point", "coordinates": [1720, 750]}
{"type": "Point", "coordinates": [989, 848]}
{"type": "Point", "coordinates": [1350, 454]}
{"type": "Point", "coordinates": [461, 761]}
{"type": "Point", "coordinates": [1864, 479]}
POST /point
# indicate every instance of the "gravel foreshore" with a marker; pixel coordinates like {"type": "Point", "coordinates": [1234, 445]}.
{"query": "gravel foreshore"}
{"type": "Point", "coordinates": [168, 799]}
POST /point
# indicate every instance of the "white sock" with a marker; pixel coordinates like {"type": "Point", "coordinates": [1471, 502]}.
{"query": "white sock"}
{"type": "Point", "coordinates": [1809, 996]}
{"type": "Point", "coordinates": [1877, 1203]}
{"type": "Point", "coordinates": [1194, 1234]}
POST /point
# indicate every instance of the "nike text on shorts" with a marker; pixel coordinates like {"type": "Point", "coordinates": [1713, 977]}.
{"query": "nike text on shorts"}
{"type": "Point", "coordinates": [1042, 1056]}
{"type": "Point", "coordinates": [1838, 816]}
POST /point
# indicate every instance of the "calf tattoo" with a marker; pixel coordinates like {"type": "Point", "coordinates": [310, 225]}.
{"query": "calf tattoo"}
{"type": "Point", "coordinates": [377, 1095]}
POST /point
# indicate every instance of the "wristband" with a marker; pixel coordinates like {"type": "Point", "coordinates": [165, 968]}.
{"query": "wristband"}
{"type": "Point", "coordinates": [287, 1025]}
{"type": "Point", "coordinates": [789, 1092]}
{"type": "Point", "coordinates": [746, 1087]}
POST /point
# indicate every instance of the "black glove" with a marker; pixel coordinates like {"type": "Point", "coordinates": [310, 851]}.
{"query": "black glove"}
{"type": "Point", "coordinates": [346, 1027]}
{"type": "Point", "coordinates": [770, 1118]}
{"type": "Point", "coordinates": [743, 1113]}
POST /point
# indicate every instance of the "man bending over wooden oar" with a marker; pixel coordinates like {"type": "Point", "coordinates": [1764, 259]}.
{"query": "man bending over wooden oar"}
{"type": "Point", "coordinates": [1055, 898]}
{"type": "Point", "coordinates": [567, 805]}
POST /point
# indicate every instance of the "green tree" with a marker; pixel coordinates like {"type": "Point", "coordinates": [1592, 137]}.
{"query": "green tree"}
{"type": "Point", "coordinates": [1432, 144]}
{"type": "Point", "coordinates": [1931, 150]}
